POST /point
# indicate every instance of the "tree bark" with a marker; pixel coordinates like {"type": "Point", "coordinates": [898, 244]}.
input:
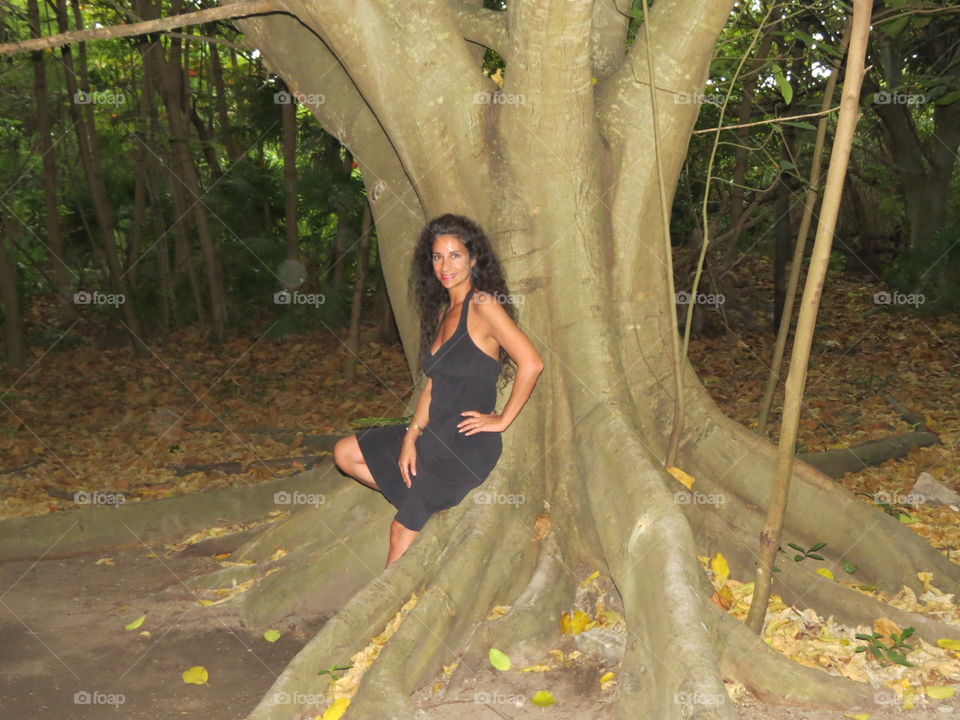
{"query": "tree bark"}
{"type": "Point", "coordinates": [10, 295]}
{"type": "Point", "coordinates": [58, 263]}
{"type": "Point", "coordinates": [359, 290]}
{"type": "Point", "coordinates": [562, 180]}
{"type": "Point", "coordinates": [78, 88]}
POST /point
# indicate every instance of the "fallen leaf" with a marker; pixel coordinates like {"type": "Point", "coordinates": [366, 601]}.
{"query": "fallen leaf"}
{"type": "Point", "coordinates": [590, 578]}
{"type": "Point", "coordinates": [104, 561]}
{"type": "Point", "coordinates": [720, 567]}
{"type": "Point", "coordinates": [543, 698]}
{"type": "Point", "coordinates": [271, 635]}
{"type": "Point", "coordinates": [826, 572]}
{"type": "Point", "coordinates": [537, 668]}
{"type": "Point", "coordinates": [949, 644]}
{"type": "Point", "coordinates": [683, 478]}
{"type": "Point", "coordinates": [336, 711]}
{"type": "Point", "coordinates": [197, 675]}
{"type": "Point", "coordinates": [499, 660]}
{"type": "Point", "coordinates": [941, 692]}
{"type": "Point", "coordinates": [136, 623]}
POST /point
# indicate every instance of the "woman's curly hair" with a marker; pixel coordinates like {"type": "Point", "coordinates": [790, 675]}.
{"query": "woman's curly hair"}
{"type": "Point", "coordinates": [432, 297]}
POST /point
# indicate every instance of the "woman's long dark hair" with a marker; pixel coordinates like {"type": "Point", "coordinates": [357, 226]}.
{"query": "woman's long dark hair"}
{"type": "Point", "coordinates": [431, 296]}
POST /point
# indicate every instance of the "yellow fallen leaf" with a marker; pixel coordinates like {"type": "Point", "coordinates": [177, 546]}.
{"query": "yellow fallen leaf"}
{"type": "Point", "coordinates": [280, 552]}
{"type": "Point", "coordinates": [544, 698]}
{"type": "Point", "coordinates": [949, 643]}
{"type": "Point", "coordinates": [590, 578]}
{"type": "Point", "coordinates": [145, 634]}
{"type": "Point", "coordinates": [499, 659]}
{"type": "Point", "coordinates": [537, 668]}
{"type": "Point", "coordinates": [683, 478]}
{"type": "Point", "coordinates": [575, 624]}
{"type": "Point", "coordinates": [607, 681]}
{"type": "Point", "coordinates": [825, 572]}
{"type": "Point", "coordinates": [336, 711]}
{"type": "Point", "coordinates": [498, 611]}
{"type": "Point", "coordinates": [104, 561]}
{"type": "Point", "coordinates": [197, 675]}
{"type": "Point", "coordinates": [136, 623]}
{"type": "Point", "coordinates": [857, 716]}
{"type": "Point", "coordinates": [271, 635]}
{"type": "Point", "coordinates": [941, 692]}
{"type": "Point", "coordinates": [720, 567]}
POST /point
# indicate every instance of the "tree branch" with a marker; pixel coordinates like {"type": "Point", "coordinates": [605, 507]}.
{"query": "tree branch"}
{"type": "Point", "coordinates": [239, 9]}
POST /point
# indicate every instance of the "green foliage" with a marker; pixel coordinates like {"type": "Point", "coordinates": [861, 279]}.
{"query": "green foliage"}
{"type": "Point", "coordinates": [803, 554]}
{"type": "Point", "coordinates": [932, 269]}
{"type": "Point", "coordinates": [895, 652]}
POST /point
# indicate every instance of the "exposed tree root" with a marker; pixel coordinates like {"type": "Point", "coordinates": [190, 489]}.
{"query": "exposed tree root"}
{"type": "Point", "coordinates": [775, 679]}
{"type": "Point", "coordinates": [534, 614]}
{"type": "Point", "coordinates": [670, 668]}
{"type": "Point", "coordinates": [798, 584]}
{"type": "Point", "coordinates": [729, 460]}
{"type": "Point", "coordinates": [98, 528]}
{"type": "Point", "coordinates": [837, 463]}
{"type": "Point", "coordinates": [456, 601]}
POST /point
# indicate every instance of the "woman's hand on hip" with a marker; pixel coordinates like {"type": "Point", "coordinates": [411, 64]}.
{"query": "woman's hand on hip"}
{"type": "Point", "coordinates": [478, 422]}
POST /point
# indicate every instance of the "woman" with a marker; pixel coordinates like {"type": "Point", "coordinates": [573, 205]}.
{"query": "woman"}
{"type": "Point", "coordinates": [453, 440]}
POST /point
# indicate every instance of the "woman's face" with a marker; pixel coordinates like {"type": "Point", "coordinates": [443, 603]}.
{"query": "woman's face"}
{"type": "Point", "coordinates": [451, 261]}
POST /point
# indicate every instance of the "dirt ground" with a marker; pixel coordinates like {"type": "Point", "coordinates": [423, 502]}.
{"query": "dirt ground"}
{"type": "Point", "coordinates": [67, 656]}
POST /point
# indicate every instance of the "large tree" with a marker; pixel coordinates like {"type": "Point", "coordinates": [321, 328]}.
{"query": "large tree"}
{"type": "Point", "coordinates": [559, 166]}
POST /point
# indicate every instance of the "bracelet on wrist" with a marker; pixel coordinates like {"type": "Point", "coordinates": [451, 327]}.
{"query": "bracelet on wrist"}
{"type": "Point", "coordinates": [415, 426]}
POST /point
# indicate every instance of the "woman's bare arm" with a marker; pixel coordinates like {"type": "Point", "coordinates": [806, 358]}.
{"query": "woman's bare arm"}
{"type": "Point", "coordinates": [523, 352]}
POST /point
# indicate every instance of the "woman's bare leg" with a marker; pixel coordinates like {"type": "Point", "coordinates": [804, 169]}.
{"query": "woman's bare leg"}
{"type": "Point", "coordinates": [347, 456]}
{"type": "Point", "coordinates": [400, 539]}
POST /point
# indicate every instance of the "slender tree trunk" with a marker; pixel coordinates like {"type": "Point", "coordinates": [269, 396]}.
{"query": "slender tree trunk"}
{"type": "Point", "coordinates": [225, 128]}
{"type": "Point", "coordinates": [10, 295]}
{"type": "Point", "coordinates": [63, 276]}
{"type": "Point", "coordinates": [772, 531]}
{"type": "Point", "coordinates": [186, 183]}
{"type": "Point", "coordinates": [290, 179]}
{"type": "Point", "coordinates": [359, 290]}
{"type": "Point", "coordinates": [91, 159]}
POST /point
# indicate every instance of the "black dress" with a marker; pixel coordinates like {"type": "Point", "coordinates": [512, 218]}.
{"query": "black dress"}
{"type": "Point", "coordinates": [449, 463]}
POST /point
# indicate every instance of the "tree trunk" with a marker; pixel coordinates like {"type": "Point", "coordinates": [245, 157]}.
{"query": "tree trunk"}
{"type": "Point", "coordinates": [290, 189]}
{"type": "Point", "coordinates": [10, 295]}
{"type": "Point", "coordinates": [81, 112]}
{"type": "Point", "coordinates": [186, 184]}
{"type": "Point", "coordinates": [563, 181]}
{"type": "Point", "coordinates": [58, 263]}
{"type": "Point", "coordinates": [359, 290]}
